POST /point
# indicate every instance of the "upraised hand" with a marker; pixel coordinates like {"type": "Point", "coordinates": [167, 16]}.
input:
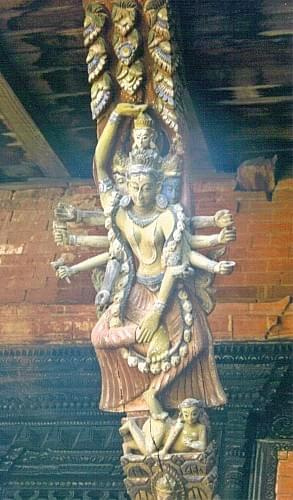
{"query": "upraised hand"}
{"type": "Point", "coordinates": [127, 109]}
{"type": "Point", "coordinates": [223, 218]}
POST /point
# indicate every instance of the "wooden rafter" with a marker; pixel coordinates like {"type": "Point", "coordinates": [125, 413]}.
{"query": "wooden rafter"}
{"type": "Point", "coordinates": [27, 134]}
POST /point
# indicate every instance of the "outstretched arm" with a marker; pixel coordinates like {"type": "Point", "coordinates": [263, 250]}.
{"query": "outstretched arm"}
{"type": "Point", "coordinates": [206, 241]}
{"type": "Point", "coordinates": [222, 218]}
{"type": "Point", "coordinates": [196, 259]}
{"type": "Point", "coordinates": [65, 212]}
{"type": "Point", "coordinates": [86, 265]}
{"type": "Point", "coordinates": [63, 237]}
{"type": "Point", "coordinates": [105, 147]}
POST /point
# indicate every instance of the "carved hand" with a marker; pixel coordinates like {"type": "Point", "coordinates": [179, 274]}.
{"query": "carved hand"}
{"type": "Point", "coordinates": [224, 267]}
{"type": "Point", "coordinates": [65, 213]}
{"type": "Point", "coordinates": [126, 109]}
{"type": "Point", "coordinates": [223, 218]}
{"type": "Point", "coordinates": [102, 298]}
{"type": "Point", "coordinates": [148, 326]}
{"type": "Point", "coordinates": [227, 235]}
{"type": "Point", "coordinates": [64, 272]}
{"type": "Point", "coordinates": [61, 237]}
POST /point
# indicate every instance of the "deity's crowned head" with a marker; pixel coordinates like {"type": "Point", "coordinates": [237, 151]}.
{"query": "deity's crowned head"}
{"type": "Point", "coordinates": [143, 133]}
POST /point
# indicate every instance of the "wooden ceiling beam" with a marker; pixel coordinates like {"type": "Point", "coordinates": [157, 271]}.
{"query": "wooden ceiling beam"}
{"type": "Point", "coordinates": [27, 134]}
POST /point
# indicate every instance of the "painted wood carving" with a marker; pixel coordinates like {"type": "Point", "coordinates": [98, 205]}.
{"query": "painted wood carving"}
{"type": "Point", "coordinates": [152, 339]}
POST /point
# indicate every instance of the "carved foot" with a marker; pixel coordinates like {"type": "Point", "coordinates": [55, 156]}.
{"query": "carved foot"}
{"type": "Point", "coordinates": [159, 346]}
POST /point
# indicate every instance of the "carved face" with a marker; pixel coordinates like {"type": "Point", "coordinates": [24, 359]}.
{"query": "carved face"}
{"type": "Point", "coordinates": [142, 138]}
{"type": "Point", "coordinates": [172, 189]}
{"type": "Point", "coordinates": [165, 496]}
{"type": "Point", "coordinates": [142, 190]}
{"type": "Point", "coordinates": [190, 415]}
{"type": "Point", "coordinates": [120, 183]}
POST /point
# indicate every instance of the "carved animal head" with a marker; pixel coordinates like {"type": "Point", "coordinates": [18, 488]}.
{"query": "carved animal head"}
{"type": "Point", "coordinates": [257, 174]}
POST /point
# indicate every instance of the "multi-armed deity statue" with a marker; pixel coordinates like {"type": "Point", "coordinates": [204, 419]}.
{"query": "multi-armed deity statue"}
{"type": "Point", "coordinates": [152, 340]}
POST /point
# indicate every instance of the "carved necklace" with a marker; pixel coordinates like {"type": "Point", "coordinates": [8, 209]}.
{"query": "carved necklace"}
{"type": "Point", "coordinates": [142, 221]}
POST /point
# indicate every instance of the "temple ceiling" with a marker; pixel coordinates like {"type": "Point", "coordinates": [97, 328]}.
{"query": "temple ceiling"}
{"type": "Point", "coordinates": [237, 61]}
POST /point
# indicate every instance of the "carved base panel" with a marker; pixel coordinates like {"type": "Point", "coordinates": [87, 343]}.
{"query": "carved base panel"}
{"type": "Point", "coordinates": [176, 476]}
{"type": "Point", "coordinates": [55, 443]}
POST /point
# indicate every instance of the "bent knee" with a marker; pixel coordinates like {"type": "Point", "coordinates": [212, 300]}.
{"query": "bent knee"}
{"type": "Point", "coordinates": [99, 335]}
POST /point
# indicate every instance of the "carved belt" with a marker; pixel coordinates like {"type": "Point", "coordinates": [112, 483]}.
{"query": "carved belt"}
{"type": "Point", "coordinates": [153, 283]}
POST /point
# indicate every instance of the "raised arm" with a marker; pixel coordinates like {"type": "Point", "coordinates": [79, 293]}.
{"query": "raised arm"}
{"type": "Point", "coordinates": [105, 147]}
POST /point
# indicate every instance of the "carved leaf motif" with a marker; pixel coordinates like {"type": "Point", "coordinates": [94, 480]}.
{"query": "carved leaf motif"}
{"type": "Point", "coordinates": [96, 59]}
{"type": "Point", "coordinates": [130, 78]}
{"type": "Point", "coordinates": [151, 8]}
{"type": "Point", "coordinates": [203, 281]}
{"type": "Point", "coordinates": [97, 278]}
{"type": "Point", "coordinates": [101, 92]}
{"type": "Point", "coordinates": [168, 115]}
{"type": "Point", "coordinates": [162, 26]}
{"type": "Point", "coordinates": [94, 22]}
{"type": "Point", "coordinates": [125, 49]}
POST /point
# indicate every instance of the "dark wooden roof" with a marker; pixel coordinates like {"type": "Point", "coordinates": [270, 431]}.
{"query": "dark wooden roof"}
{"type": "Point", "coordinates": [237, 57]}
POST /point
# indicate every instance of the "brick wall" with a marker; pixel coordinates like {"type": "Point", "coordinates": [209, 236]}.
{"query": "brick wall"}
{"type": "Point", "coordinates": [284, 481]}
{"type": "Point", "coordinates": [36, 307]}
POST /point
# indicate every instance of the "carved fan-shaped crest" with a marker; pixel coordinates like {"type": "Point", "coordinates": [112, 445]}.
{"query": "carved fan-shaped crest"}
{"type": "Point", "coordinates": [96, 59]}
{"type": "Point", "coordinates": [94, 22]}
{"type": "Point", "coordinates": [101, 92]}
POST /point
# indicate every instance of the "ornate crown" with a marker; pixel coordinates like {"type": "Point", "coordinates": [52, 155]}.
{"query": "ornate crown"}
{"type": "Point", "coordinates": [143, 121]}
{"type": "Point", "coordinates": [146, 161]}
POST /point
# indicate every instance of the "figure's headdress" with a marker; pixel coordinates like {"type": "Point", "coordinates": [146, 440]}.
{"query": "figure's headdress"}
{"type": "Point", "coordinates": [144, 162]}
{"type": "Point", "coordinates": [143, 120]}
{"type": "Point", "coordinates": [190, 403]}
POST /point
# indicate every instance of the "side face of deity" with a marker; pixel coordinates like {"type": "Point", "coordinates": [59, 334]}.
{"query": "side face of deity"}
{"type": "Point", "coordinates": [171, 188]}
{"type": "Point", "coordinates": [120, 182]}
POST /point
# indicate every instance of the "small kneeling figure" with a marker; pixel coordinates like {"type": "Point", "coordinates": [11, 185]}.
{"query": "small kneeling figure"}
{"type": "Point", "coordinates": [188, 434]}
